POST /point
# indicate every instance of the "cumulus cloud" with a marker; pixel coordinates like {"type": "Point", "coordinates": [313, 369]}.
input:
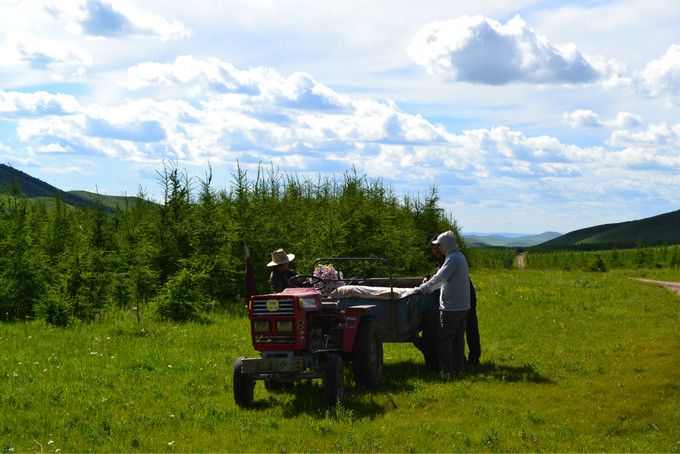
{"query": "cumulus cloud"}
{"type": "Point", "coordinates": [260, 85]}
{"type": "Point", "coordinates": [18, 104]}
{"type": "Point", "coordinates": [655, 148]}
{"type": "Point", "coordinates": [625, 120]}
{"type": "Point", "coordinates": [28, 50]}
{"type": "Point", "coordinates": [661, 77]}
{"type": "Point", "coordinates": [481, 50]}
{"type": "Point", "coordinates": [586, 118]}
{"type": "Point", "coordinates": [582, 118]}
{"type": "Point", "coordinates": [655, 135]}
{"type": "Point", "coordinates": [98, 18]}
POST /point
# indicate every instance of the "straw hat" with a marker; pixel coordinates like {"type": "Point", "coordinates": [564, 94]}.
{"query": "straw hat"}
{"type": "Point", "coordinates": [279, 256]}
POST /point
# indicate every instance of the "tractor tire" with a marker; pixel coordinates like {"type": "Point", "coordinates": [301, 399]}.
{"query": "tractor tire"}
{"type": "Point", "coordinates": [428, 345]}
{"type": "Point", "coordinates": [367, 354]}
{"type": "Point", "coordinates": [244, 386]}
{"type": "Point", "coordinates": [334, 380]}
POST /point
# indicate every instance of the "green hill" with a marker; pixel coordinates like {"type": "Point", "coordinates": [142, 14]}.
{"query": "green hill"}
{"type": "Point", "coordinates": [656, 230]}
{"type": "Point", "coordinates": [109, 201]}
{"type": "Point", "coordinates": [35, 188]}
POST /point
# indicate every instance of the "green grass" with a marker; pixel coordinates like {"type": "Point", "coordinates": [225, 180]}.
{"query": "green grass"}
{"type": "Point", "coordinates": [572, 361]}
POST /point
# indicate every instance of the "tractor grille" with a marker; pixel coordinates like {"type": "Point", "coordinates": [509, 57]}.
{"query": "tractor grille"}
{"type": "Point", "coordinates": [285, 308]}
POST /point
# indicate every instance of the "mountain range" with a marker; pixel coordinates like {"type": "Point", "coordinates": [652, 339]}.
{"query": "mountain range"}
{"type": "Point", "coordinates": [506, 240]}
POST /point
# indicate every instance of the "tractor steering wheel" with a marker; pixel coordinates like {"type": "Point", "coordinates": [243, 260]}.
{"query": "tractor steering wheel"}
{"type": "Point", "coordinates": [309, 281]}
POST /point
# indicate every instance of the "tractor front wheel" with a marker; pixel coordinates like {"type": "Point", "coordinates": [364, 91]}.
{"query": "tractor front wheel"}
{"type": "Point", "coordinates": [244, 386]}
{"type": "Point", "coordinates": [334, 380]}
{"type": "Point", "coordinates": [367, 354]}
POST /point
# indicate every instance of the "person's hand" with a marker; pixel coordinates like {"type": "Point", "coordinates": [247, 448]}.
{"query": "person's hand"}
{"type": "Point", "coordinates": [424, 279]}
{"type": "Point", "coordinates": [415, 290]}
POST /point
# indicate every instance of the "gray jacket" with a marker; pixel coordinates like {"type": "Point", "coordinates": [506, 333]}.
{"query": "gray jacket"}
{"type": "Point", "coordinates": [452, 277]}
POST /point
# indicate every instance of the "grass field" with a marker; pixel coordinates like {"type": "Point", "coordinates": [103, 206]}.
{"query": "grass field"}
{"type": "Point", "coordinates": [572, 361]}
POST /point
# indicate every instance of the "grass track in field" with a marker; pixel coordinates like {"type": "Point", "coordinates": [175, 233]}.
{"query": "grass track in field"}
{"type": "Point", "coordinates": [571, 362]}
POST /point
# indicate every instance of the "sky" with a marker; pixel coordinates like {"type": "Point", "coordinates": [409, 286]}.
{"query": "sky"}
{"type": "Point", "coordinates": [528, 116]}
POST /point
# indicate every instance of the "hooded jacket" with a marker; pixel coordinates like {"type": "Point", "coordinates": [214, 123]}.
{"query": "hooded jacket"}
{"type": "Point", "coordinates": [452, 277]}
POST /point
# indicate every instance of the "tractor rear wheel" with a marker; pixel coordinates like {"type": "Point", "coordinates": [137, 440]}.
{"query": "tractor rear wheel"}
{"type": "Point", "coordinates": [334, 380]}
{"type": "Point", "coordinates": [244, 386]}
{"type": "Point", "coordinates": [367, 354]}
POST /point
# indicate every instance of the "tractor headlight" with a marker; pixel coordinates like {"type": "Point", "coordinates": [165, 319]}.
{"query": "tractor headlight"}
{"type": "Point", "coordinates": [284, 326]}
{"type": "Point", "coordinates": [307, 303]}
{"type": "Point", "coordinates": [260, 326]}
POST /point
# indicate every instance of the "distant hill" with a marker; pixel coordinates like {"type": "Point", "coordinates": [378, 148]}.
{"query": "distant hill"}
{"type": "Point", "coordinates": [500, 240]}
{"type": "Point", "coordinates": [34, 187]}
{"type": "Point", "coordinates": [37, 189]}
{"type": "Point", "coordinates": [109, 201]}
{"type": "Point", "coordinates": [661, 229]}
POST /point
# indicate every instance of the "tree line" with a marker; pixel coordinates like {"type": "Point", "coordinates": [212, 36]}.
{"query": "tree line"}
{"type": "Point", "coordinates": [659, 257]}
{"type": "Point", "coordinates": [181, 257]}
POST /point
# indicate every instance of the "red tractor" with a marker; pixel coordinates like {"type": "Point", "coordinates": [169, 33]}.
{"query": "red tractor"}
{"type": "Point", "coordinates": [302, 333]}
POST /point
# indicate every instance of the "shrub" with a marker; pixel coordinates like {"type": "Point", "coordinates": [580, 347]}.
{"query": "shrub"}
{"type": "Point", "coordinates": [182, 298]}
{"type": "Point", "coordinates": [598, 264]}
{"type": "Point", "coordinates": [55, 309]}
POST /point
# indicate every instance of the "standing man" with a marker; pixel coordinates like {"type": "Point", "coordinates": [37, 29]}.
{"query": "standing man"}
{"type": "Point", "coordinates": [281, 271]}
{"type": "Point", "coordinates": [454, 303]}
{"type": "Point", "coordinates": [471, 323]}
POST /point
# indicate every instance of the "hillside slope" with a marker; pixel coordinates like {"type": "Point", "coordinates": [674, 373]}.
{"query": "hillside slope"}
{"type": "Point", "coordinates": [33, 187]}
{"type": "Point", "coordinates": [661, 229]}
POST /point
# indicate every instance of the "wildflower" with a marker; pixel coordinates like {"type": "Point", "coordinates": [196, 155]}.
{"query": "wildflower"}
{"type": "Point", "coordinates": [170, 443]}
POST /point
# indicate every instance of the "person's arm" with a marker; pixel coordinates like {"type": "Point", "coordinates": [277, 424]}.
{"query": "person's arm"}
{"type": "Point", "coordinates": [442, 275]}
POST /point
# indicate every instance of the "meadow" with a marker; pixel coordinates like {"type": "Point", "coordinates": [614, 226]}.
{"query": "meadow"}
{"type": "Point", "coordinates": [572, 361]}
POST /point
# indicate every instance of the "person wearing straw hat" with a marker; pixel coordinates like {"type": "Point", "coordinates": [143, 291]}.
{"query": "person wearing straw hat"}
{"type": "Point", "coordinates": [281, 271]}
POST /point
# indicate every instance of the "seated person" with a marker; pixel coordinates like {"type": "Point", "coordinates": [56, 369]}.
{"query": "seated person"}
{"type": "Point", "coordinates": [281, 272]}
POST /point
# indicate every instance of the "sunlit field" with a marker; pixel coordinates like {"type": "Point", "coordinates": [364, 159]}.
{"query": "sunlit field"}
{"type": "Point", "coordinates": [572, 361]}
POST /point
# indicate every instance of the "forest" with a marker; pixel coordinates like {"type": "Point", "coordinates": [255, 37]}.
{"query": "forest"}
{"type": "Point", "coordinates": [181, 257]}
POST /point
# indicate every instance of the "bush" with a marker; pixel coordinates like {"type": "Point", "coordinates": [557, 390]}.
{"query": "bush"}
{"type": "Point", "coordinates": [55, 309]}
{"type": "Point", "coordinates": [182, 298]}
{"type": "Point", "coordinates": [598, 264]}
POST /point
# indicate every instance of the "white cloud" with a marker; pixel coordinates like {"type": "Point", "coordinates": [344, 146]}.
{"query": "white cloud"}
{"type": "Point", "coordinates": [624, 120]}
{"type": "Point", "coordinates": [23, 49]}
{"type": "Point", "coordinates": [657, 135]}
{"type": "Point", "coordinates": [655, 149]}
{"type": "Point", "coordinates": [283, 119]}
{"type": "Point", "coordinates": [586, 118]}
{"type": "Point", "coordinates": [582, 118]}
{"type": "Point", "coordinates": [662, 77]}
{"type": "Point", "coordinates": [481, 50]}
{"type": "Point", "coordinates": [18, 104]}
{"type": "Point", "coordinates": [110, 19]}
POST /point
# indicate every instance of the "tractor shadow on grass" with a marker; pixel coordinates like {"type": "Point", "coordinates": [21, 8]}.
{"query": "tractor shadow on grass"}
{"type": "Point", "coordinates": [398, 378]}
{"type": "Point", "coordinates": [308, 398]}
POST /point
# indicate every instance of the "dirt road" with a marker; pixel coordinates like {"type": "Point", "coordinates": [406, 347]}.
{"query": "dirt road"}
{"type": "Point", "coordinates": [674, 286]}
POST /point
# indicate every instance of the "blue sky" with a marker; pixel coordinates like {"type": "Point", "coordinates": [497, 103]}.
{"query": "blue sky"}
{"type": "Point", "coordinates": [528, 115]}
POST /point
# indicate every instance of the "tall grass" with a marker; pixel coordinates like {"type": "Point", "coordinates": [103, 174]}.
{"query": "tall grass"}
{"type": "Point", "coordinates": [572, 361]}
